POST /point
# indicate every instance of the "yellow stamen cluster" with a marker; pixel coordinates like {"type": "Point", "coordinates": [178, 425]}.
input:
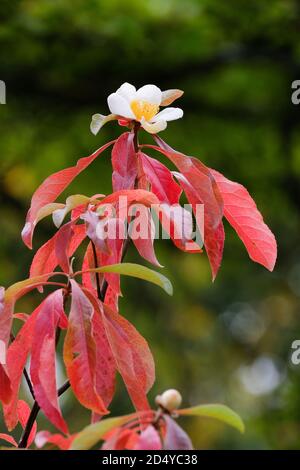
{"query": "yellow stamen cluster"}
{"type": "Point", "coordinates": [144, 109]}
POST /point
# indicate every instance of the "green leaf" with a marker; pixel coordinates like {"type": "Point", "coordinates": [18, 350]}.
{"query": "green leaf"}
{"type": "Point", "coordinates": [216, 411]}
{"type": "Point", "coordinates": [139, 271]}
{"type": "Point", "coordinates": [93, 433]}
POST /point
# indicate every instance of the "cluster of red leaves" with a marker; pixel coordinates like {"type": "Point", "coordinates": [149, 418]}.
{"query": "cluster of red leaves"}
{"type": "Point", "coordinates": [148, 430]}
{"type": "Point", "coordinates": [98, 340]}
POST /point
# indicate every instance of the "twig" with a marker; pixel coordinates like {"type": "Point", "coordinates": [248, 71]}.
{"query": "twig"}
{"type": "Point", "coordinates": [33, 415]}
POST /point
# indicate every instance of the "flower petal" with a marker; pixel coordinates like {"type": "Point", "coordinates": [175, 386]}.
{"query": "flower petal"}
{"type": "Point", "coordinates": [150, 93]}
{"type": "Point", "coordinates": [155, 127]}
{"type": "Point", "coordinates": [169, 96]}
{"type": "Point", "coordinates": [119, 105]}
{"type": "Point", "coordinates": [98, 120]}
{"type": "Point", "coordinates": [168, 114]}
{"type": "Point", "coordinates": [127, 91]}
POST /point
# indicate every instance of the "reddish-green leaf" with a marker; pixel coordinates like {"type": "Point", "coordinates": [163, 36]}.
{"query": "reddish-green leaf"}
{"type": "Point", "coordinates": [216, 411]}
{"type": "Point", "coordinates": [139, 271]}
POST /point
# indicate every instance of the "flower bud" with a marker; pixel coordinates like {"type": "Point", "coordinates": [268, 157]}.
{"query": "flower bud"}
{"type": "Point", "coordinates": [170, 399]}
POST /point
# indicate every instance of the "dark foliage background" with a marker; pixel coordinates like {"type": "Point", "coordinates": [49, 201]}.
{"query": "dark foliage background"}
{"type": "Point", "coordinates": [229, 341]}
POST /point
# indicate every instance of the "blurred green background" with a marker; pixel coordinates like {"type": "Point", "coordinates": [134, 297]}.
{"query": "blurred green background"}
{"type": "Point", "coordinates": [229, 341]}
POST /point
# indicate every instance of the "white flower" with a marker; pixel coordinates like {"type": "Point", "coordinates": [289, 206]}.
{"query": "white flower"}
{"type": "Point", "coordinates": [140, 105]}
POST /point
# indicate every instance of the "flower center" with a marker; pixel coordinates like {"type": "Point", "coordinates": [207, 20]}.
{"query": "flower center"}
{"type": "Point", "coordinates": [144, 109]}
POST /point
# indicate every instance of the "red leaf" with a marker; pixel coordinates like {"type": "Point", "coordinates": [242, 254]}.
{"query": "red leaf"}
{"type": "Point", "coordinates": [161, 180]}
{"type": "Point", "coordinates": [178, 223]}
{"type": "Point", "coordinates": [120, 439]}
{"type": "Point", "coordinates": [21, 316]}
{"type": "Point", "coordinates": [105, 363]}
{"type": "Point", "coordinates": [127, 197]}
{"type": "Point", "coordinates": [45, 437]}
{"type": "Point", "coordinates": [114, 255]}
{"type": "Point", "coordinates": [133, 358]}
{"type": "Point", "coordinates": [61, 247]}
{"type": "Point", "coordinates": [111, 299]}
{"type": "Point", "coordinates": [95, 229]}
{"type": "Point", "coordinates": [5, 386]}
{"type": "Point", "coordinates": [200, 178]}
{"type": "Point", "coordinates": [145, 233]}
{"type": "Point", "coordinates": [124, 162]}
{"type": "Point", "coordinates": [8, 438]}
{"type": "Point", "coordinates": [7, 303]}
{"type": "Point", "coordinates": [148, 440]}
{"type": "Point", "coordinates": [214, 245]}
{"type": "Point", "coordinates": [88, 279]}
{"type": "Point", "coordinates": [175, 438]}
{"type": "Point", "coordinates": [80, 352]}
{"type": "Point", "coordinates": [17, 354]}
{"type": "Point", "coordinates": [8, 299]}
{"type": "Point", "coordinates": [51, 188]}
{"type": "Point", "coordinates": [23, 411]}
{"type": "Point", "coordinates": [45, 259]}
{"type": "Point", "coordinates": [6, 316]}
{"type": "Point", "coordinates": [241, 212]}
{"type": "Point", "coordinates": [124, 199]}
{"type": "Point", "coordinates": [213, 238]}
{"type": "Point", "coordinates": [62, 244]}
{"type": "Point", "coordinates": [43, 370]}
